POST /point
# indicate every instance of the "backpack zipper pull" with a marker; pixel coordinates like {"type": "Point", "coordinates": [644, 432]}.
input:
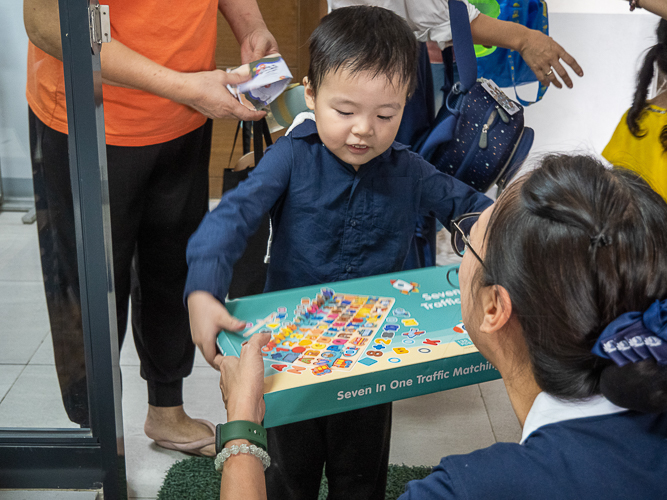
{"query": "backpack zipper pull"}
{"type": "Point", "coordinates": [503, 115]}
{"type": "Point", "coordinates": [484, 138]}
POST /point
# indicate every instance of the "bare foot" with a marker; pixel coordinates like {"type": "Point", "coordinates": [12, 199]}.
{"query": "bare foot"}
{"type": "Point", "coordinates": [172, 428]}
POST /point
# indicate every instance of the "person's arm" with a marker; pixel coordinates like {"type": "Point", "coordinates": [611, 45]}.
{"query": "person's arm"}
{"type": "Point", "coordinates": [248, 26]}
{"type": "Point", "coordinates": [658, 7]}
{"type": "Point", "coordinates": [204, 91]}
{"type": "Point", "coordinates": [445, 197]}
{"type": "Point", "coordinates": [430, 20]}
{"type": "Point", "coordinates": [220, 241]}
{"type": "Point", "coordinates": [242, 387]}
{"type": "Point", "coordinates": [539, 51]}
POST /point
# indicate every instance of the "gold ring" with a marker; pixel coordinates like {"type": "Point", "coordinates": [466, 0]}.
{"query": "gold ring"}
{"type": "Point", "coordinates": [550, 72]}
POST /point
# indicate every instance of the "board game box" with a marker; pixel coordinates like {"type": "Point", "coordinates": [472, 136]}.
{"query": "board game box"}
{"type": "Point", "coordinates": [358, 343]}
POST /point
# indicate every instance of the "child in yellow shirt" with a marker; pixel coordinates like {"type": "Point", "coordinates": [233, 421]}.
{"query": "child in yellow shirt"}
{"type": "Point", "coordinates": [639, 142]}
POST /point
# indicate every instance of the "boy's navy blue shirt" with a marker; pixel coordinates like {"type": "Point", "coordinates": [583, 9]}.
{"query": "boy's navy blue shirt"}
{"type": "Point", "coordinates": [330, 222]}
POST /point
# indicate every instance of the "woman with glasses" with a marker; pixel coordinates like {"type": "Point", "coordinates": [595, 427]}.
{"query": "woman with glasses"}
{"type": "Point", "coordinates": [564, 290]}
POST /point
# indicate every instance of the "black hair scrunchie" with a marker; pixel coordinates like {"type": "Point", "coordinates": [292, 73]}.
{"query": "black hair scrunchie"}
{"type": "Point", "coordinates": [601, 240]}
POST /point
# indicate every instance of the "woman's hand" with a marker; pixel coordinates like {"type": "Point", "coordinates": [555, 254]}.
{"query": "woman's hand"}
{"type": "Point", "coordinates": [257, 44]}
{"type": "Point", "coordinates": [206, 91]}
{"type": "Point", "coordinates": [242, 381]}
{"type": "Point", "coordinates": [540, 51]}
{"type": "Point", "coordinates": [543, 54]}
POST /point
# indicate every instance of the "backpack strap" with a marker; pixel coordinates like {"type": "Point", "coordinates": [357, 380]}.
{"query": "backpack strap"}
{"type": "Point", "coordinates": [512, 55]}
{"type": "Point", "coordinates": [466, 62]}
{"type": "Point", "coordinates": [464, 48]}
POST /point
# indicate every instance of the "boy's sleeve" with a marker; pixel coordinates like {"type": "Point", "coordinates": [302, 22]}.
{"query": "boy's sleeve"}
{"type": "Point", "coordinates": [223, 235]}
{"type": "Point", "coordinates": [445, 197]}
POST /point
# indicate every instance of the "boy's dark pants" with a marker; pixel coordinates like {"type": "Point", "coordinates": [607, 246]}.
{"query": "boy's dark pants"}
{"type": "Point", "coordinates": [353, 446]}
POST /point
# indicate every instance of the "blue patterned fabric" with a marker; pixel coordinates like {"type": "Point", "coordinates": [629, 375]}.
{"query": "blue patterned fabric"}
{"type": "Point", "coordinates": [634, 336]}
{"type": "Point", "coordinates": [463, 157]}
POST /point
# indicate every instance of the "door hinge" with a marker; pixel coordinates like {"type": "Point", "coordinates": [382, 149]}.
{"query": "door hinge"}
{"type": "Point", "coordinates": [99, 24]}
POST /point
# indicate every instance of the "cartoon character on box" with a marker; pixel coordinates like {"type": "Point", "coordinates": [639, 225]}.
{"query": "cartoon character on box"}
{"type": "Point", "coordinates": [460, 328]}
{"type": "Point", "coordinates": [404, 287]}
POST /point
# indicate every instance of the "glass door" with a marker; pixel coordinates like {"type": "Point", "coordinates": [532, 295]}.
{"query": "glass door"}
{"type": "Point", "coordinates": [60, 412]}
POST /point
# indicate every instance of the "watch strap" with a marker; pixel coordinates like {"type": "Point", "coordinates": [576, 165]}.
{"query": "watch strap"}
{"type": "Point", "coordinates": [239, 429]}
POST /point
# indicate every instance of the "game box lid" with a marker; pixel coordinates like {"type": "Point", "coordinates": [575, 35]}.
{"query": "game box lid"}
{"type": "Point", "coordinates": [351, 344]}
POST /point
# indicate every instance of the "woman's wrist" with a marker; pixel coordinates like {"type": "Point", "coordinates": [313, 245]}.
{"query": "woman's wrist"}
{"type": "Point", "coordinates": [246, 412]}
{"type": "Point", "coordinates": [526, 38]}
{"type": "Point", "coordinates": [237, 442]}
{"type": "Point", "coordinates": [634, 4]}
{"type": "Point", "coordinates": [182, 87]}
{"type": "Point", "coordinates": [243, 415]}
{"type": "Point", "coordinates": [508, 35]}
{"type": "Point", "coordinates": [228, 434]}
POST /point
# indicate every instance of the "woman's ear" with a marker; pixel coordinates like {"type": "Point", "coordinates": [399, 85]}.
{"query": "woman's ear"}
{"type": "Point", "coordinates": [497, 308]}
{"type": "Point", "coordinates": [309, 93]}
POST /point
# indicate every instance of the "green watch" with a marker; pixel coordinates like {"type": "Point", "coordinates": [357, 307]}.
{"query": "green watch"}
{"type": "Point", "coordinates": [239, 429]}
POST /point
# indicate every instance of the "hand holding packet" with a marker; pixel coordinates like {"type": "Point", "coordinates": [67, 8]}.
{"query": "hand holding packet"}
{"type": "Point", "coordinates": [270, 77]}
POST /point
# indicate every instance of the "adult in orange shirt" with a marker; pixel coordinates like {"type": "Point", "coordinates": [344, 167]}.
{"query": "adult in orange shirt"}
{"type": "Point", "coordinates": [160, 89]}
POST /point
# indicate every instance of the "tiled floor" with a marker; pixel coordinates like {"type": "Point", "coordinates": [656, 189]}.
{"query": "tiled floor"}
{"type": "Point", "coordinates": [425, 428]}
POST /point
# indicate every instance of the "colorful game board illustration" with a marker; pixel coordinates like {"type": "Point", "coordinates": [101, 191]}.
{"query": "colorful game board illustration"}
{"type": "Point", "coordinates": [356, 343]}
{"type": "Point", "coordinates": [327, 333]}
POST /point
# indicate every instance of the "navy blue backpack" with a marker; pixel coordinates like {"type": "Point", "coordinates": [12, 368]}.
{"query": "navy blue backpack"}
{"type": "Point", "coordinates": [473, 138]}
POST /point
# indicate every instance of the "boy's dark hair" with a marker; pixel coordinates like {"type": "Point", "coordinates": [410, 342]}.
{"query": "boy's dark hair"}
{"type": "Point", "coordinates": [576, 245]}
{"type": "Point", "coordinates": [656, 54]}
{"type": "Point", "coordinates": [364, 38]}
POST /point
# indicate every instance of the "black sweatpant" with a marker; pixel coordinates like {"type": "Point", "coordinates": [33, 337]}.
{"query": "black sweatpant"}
{"type": "Point", "coordinates": [158, 195]}
{"type": "Point", "coordinates": [353, 447]}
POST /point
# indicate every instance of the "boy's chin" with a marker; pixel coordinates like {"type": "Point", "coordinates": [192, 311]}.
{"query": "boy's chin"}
{"type": "Point", "coordinates": [356, 158]}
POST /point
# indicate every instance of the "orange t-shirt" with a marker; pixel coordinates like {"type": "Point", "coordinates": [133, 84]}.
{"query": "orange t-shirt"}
{"type": "Point", "coordinates": [179, 35]}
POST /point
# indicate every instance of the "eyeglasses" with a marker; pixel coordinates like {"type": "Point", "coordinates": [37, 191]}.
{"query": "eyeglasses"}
{"type": "Point", "coordinates": [460, 229]}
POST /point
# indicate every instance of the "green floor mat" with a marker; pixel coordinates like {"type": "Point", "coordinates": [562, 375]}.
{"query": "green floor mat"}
{"type": "Point", "coordinates": [196, 479]}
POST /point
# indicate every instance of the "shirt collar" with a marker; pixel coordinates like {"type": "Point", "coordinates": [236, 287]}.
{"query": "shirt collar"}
{"type": "Point", "coordinates": [547, 409]}
{"type": "Point", "coordinates": [305, 129]}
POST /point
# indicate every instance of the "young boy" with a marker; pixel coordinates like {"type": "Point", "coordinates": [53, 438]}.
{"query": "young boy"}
{"type": "Point", "coordinates": [344, 199]}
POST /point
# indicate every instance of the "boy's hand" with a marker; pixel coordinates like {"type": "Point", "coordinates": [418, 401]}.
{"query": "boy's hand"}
{"type": "Point", "coordinates": [207, 317]}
